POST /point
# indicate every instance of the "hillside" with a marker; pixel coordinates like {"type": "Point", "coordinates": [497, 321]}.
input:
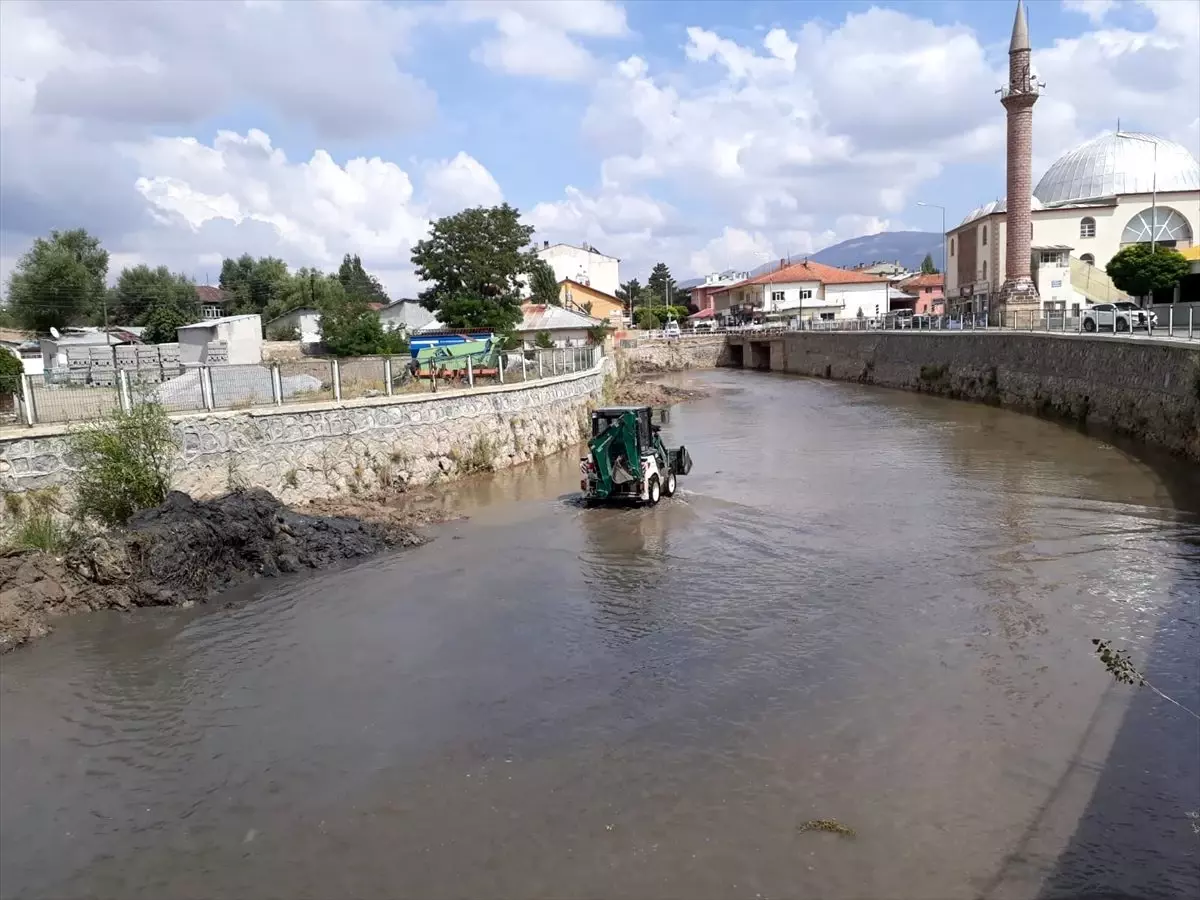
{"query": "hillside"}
{"type": "Point", "coordinates": [906, 247]}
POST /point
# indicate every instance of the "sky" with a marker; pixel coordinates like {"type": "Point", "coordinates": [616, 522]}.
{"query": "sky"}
{"type": "Point", "coordinates": [708, 135]}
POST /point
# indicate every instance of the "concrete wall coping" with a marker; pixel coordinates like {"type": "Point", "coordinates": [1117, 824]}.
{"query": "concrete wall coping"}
{"type": "Point", "coordinates": [53, 429]}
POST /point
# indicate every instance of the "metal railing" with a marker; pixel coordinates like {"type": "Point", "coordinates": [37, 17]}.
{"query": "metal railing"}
{"type": "Point", "coordinates": [50, 398]}
{"type": "Point", "coordinates": [1182, 324]}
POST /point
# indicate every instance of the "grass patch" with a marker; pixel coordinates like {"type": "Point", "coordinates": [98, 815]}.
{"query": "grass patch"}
{"type": "Point", "coordinates": [41, 531]}
{"type": "Point", "coordinates": [480, 458]}
{"type": "Point", "coordinates": [830, 826]}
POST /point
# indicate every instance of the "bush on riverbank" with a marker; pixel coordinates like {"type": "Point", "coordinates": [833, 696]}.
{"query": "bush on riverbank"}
{"type": "Point", "coordinates": [124, 463]}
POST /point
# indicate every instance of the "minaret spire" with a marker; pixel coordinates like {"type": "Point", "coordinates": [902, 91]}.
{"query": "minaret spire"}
{"type": "Point", "coordinates": [1018, 97]}
{"type": "Point", "coordinates": [1020, 35]}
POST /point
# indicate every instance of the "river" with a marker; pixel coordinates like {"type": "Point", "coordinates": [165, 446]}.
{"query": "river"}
{"type": "Point", "coordinates": [864, 605]}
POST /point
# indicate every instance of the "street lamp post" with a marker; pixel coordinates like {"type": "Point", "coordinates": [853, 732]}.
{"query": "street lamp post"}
{"type": "Point", "coordinates": [945, 263]}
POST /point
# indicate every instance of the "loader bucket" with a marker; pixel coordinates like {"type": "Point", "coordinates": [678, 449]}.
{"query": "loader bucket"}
{"type": "Point", "coordinates": [681, 461]}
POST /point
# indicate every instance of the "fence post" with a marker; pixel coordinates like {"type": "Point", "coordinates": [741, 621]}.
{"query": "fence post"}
{"type": "Point", "coordinates": [501, 359]}
{"type": "Point", "coordinates": [1170, 321]}
{"type": "Point", "coordinates": [1191, 309]}
{"type": "Point", "coordinates": [524, 367]}
{"type": "Point", "coordinates": [387, 376]}
{"type": "Point", "coordinates": [123, 390]}
{"type": "Point", "coordinates": [470, 373]}
{"type": "Point", "coordinates": [539, 359]}
{"type": "Point", "coordinates": [27, 397]}
{"type": "Point", "coordinates": [336, 374]}
{"type": "Point", "coordinates": [206, 390]}
{"type": "Point", "coordinates": [276, 384]}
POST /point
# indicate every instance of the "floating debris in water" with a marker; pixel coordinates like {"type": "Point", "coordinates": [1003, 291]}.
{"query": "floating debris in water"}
{"type": "Point", "coordinates": [833, 826]}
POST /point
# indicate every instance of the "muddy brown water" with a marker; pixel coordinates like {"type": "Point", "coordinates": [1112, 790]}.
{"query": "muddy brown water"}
{"type": "Point", "coordinates": [865, 606]}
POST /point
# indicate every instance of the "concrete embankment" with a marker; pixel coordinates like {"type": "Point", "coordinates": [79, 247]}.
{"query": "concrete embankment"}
{"type": "Point", "coordinates": [1147, 389]}
{"type": "Point", "coordinates": [330, 449]}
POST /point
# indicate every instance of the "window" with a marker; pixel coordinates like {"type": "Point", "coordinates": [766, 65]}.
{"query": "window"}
{"type": "Point", "coordinates": [951, 246]}
{"type": "Point", "coordinates": [776, 296]}
{"type": "Point", "coordinates": [1051, 258]}
{"type": "Point", "coordinates": [1168, 228]}
{"type": "Point", "coordinates": [985, 270]}
{"type": "Point", "coordinates": [985, 235]}
{"type": "Point", "coordinates": [1088, 258]}
{"type": "Point", "coordinates": [1087, 227]}
{"type": "Point", "coordinates": [806, 295]}
{"type": "Point", "coordinates": [825, 317]}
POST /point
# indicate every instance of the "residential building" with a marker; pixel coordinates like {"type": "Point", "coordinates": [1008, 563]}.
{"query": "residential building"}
{"type": "Point", "coordinates": [405, 316]}
{"type": "Point", "coordinates": [928, 290]}
{"type": "Point", "coordinates": [583, 265]}
{"type": "Point", "coordinates": [241, 335]}
{"type": "Point", "coordinates": [805, 290]}
{"type": "Point", "coordinates": [890, 270]}
{"type": "Point", "coordinates": [214, 302]}
{"type": "Point", "coordinates": [590, 301]}
{"type": "Point", "coordinates": [703, 295]}
{"type": "Point", "coordinates": [566, 327]}
{"type": "Point", "coordinates": [306, 321]}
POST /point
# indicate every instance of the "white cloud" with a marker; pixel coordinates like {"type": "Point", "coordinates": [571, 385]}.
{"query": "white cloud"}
{"type": "Point", "coordinates": [541, 37]}
{"type": "Point", "coordinates": [458, 183]}
{"type": "Point", "coordinates": [1095, 10]}
{"type": "Point", "coordinates": [242, 193]}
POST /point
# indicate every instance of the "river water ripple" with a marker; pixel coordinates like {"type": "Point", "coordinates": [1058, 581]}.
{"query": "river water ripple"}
{"type": "Point", "coordinates": [864, 605]}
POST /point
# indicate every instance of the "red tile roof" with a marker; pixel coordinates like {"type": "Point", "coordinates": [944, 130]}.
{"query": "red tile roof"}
{"type": "Point", "coordinates": [213, 296]}
{"type": "Point", "coordinates": [920, 281]}
{"type": "Point", "coordinates": [812, 271]}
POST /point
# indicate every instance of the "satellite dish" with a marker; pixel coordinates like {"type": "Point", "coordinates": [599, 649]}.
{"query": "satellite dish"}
{"type": "Point", "coordinates": [54, 333]}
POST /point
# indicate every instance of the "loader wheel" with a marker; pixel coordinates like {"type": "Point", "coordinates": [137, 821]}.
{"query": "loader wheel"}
{"type": "Point", "coordinates": [655, 490]}
{"type": "Point", "coordinates": [669, 485]}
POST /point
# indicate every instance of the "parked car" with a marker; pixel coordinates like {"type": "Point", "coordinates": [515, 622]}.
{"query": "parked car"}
{"type": "Point", "coordinates": [1117, 317]}
{"type": "Point", "coordinates": [1150, 320]}
{"type": "Point", "coordinates": [671, 329]}
{"type": "Point", "coordinates": [709, 324]}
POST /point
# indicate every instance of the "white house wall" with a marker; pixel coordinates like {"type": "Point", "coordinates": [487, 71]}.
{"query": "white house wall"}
{"type": "Point", "coordinates": [594, 269]}
{"type": "Point", "coordinates": [871, 298]}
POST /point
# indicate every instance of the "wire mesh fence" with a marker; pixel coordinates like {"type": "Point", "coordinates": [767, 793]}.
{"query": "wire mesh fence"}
{"type": "Point", "coordinates": [65, 397]}
{"type": "Point", "coordinates": [55, 398]}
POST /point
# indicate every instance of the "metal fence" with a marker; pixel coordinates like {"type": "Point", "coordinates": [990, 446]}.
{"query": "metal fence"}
{"type": "Point", "coordinates": [52, 399]}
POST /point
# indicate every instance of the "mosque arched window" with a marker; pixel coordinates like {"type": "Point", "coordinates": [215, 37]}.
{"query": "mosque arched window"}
{"type": "Point", "coordinates": [1088, 258]}
{"type": "Point", "coordinates": [1163, 225]}
{"type": "Point", "coordinates": [1087, 227]}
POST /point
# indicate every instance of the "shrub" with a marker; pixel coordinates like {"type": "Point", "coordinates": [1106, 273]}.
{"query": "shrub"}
{"type": "Point", "coordinates": [543, 341]}
{"type": "Point", "coordinates": [11, 369]}
{"type": "Point", "coordinates": [284, 333]}
{"type": "Point", "coordinates": [40, 531]}
{"type": "Point", "coordinates": [124, 463]}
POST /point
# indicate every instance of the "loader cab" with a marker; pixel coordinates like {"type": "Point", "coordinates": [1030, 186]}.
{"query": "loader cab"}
{"type": "Point", "coordinates": [609, 415]}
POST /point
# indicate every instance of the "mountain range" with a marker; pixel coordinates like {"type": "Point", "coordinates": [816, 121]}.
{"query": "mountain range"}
{"type": "Point", "coordinates": [908, 248]}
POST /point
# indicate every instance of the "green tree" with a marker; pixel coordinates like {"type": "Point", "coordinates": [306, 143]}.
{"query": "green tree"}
{"type": "Point", "coordinates": [543, 285]}
{"type": "Point", "coordinates": [631, 293]}
{"type": "Point", "coordinates": [543, 341]}
{"type": "Point", "coordinates": [349, 327]}
{"type": "Point", "coordinates": [473, 260]}
{"type": "Point", "coordinates": [649, 316]}
{"type": "Point", "coordinates": [310, 288]}
{"type": "Point", "coordinates": [661, 284]}
{"type": "Point", "coordinates": [254, 283]}
{"type": "Point", "coordinates": [11, 370]}
{"type": "Point", "coordinates": [358, 283]}
{"type": "Point", "coordinates": [1140, 272]}
{"type": "Point", "coordinates": [927, 266]}
{"type": "Point", "coordinates": [59, 281]}
{"type": "Point", "coordinates": [157, 299]}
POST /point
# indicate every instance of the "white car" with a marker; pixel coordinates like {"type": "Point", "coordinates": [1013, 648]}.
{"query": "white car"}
{"type": "Point", "coordinates": [1118, 317]}
{"type": "Point", "coordinates": [671, 329]}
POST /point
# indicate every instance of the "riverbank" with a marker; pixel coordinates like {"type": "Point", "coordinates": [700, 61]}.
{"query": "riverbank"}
{"type": "Point", "coordinates": [187, 551]}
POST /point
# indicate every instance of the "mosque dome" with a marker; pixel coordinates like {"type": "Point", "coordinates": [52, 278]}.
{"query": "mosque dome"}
{"type": "Point", "coordinates": [1119, 163]}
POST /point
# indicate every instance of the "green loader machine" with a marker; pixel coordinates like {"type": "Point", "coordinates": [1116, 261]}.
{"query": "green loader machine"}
{"type": "Point", "coordinates": [627, 459]}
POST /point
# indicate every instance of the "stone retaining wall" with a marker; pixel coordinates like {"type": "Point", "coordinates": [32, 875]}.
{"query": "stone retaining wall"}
{"type": "Point", "coordinates": [324, 449]}
{"type": "Point", "coordinates": [1147, 389]}
{"type": "Point", "coordinates": [675, 355]}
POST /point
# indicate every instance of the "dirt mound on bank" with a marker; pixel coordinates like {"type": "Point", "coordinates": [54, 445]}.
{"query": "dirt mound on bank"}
{"type": "Point", "coordinates": [642, 392]}
{"type": "Point", "coordinates": [182, 552]}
